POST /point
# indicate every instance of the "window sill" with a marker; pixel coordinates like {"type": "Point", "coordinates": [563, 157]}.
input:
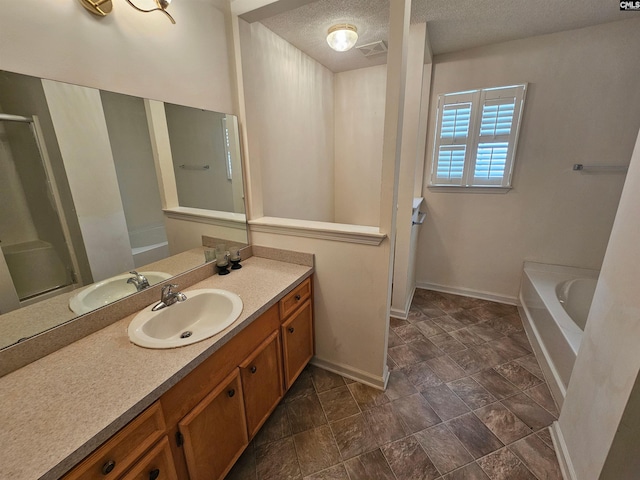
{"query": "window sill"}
{"type": "Point", "coordinates": [463, 189]}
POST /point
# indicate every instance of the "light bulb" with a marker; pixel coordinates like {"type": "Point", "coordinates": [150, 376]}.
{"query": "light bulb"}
{"type": "Point", "coordinates": [342, 37]}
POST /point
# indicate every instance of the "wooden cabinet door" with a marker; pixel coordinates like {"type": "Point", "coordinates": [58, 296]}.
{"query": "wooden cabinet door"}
{"type": "Point", "coordinates": [215, 431]}
{"type": "Point", "coordinates": [297, 341]}
{"type": "Point", "coordinates": [261, 375]}
{"type": "Point", "coordinates": [155, 465]}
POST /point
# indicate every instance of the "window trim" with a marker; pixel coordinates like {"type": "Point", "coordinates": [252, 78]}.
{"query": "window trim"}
{"type": "Point", "coordinates": [478, 99]}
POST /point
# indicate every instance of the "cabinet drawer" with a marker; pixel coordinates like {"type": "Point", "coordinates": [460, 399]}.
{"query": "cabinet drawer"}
{"type": "Point", "coordinates": [295, 298]}
{"type": "Point", "coordinates": [123, 449]}
{"type": "Point", "coordinates": [155, 465]}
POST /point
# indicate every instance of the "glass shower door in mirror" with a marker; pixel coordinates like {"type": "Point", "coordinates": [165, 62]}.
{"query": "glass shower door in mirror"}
{"type": "Point", "coordinates": [36, 260]}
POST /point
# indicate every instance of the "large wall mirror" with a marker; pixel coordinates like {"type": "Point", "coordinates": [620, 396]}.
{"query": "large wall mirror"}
{"type": "Point", "coordinates": [95, 184]}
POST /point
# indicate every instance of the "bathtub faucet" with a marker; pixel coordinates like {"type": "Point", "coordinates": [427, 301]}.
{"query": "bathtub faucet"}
{"type": "Point", "coordinates": [139, 280]}
{"type": "Point", "coordinates": [168, 297]}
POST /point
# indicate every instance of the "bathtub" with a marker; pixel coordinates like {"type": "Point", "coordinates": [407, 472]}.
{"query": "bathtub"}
{"type": "Point", "coordinates": [148, 245]}
{"type": "Point", "coordinates": [555, 302]}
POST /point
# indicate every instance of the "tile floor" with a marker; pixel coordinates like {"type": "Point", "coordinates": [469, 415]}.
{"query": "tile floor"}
{"type": "Point", "coordinates": [466, 400]}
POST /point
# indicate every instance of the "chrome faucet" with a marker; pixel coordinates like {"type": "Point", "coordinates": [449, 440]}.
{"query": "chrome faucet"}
{"type": "Point", "coordinates": [139, 280]}
{"type": "Point", "coordinates": [168, 298]}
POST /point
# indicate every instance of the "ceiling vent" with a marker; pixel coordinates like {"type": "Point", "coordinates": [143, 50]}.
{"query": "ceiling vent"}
{"type": "Point", "coordinates": [375, 48]}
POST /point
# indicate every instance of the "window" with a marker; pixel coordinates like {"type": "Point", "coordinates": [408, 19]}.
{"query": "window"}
{"type": "Point", "coordinates": [476, 137]}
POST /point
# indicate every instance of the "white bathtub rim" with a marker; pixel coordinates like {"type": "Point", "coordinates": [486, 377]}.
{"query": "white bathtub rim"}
{"type": "Point", "coordinates": [540, 274]}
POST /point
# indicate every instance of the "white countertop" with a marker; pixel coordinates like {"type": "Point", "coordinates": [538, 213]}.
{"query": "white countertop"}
{"type": "Point", "coordinates": [57, 410]}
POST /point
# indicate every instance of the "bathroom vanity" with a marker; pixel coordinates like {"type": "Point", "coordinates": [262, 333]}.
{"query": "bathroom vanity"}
{"type": "Point", "coordinates": [105, 408]}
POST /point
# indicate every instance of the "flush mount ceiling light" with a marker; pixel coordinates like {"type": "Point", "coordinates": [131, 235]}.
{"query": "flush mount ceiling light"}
{"type": "Point", "coordinates": [104, 7]}
{"type": "Point", "coordinates": [342, 37]}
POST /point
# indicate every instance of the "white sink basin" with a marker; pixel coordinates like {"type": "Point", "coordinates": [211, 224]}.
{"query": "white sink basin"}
{"type": "Point", "coordinates": [204, 313]}
{"type": "Point", "coordinates": [109, 290]}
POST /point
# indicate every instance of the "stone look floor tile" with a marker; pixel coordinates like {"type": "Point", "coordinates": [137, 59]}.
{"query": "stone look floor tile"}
{"type": "Point", "coordinates": [521, 339]}
{"type": "Point", "coordinates": [385, 424]}
{"type": "Point", "coordinates": [470, 472]}
{"type": "Point", "coordinates": [278, 461]}
{"type": "Point", "coordinates": [305, 413]}
{"type": "Point", "coordinates": [370, 466]}
{"type": "Point", "coordinates": [465, 317]}
{"type": "Point", "coordinates": [529, 411]}
{"type": "Point", "coordinates": [408, 460]}
{"type": "Point", "coordinates": [366, 396]}
{"type": "Point", "coordinates": [448, 323]}
{"type": "Point", "coordinates": [316, 450]}
{"type": "Point", "coordinates": [399, 386]}
{"type": "Point", "coordinates": [504, 465]}
{"type": "Point", "coordinates": [353, 436]}
{"type": "Point", "coordinates": [537, 457]}
{"type": "Point", "coordinates": [394, 339]}
{"type": "Point", "coordinates": [542, 396]}
{"type": "Point", "coordinates": [403, 355]}
{"type": "Point", "coordinates": [502, 422]}
{"type": "Point", "coordinates": [409, 334]}
{"type": "Point", "coordinates": [397, 322]}
{"type": "Point", "coordinates": [421, 374]}
{"type": "Point", "coordinates": [470, 360]}
{"type": "Point", "coordinates": [444, 448]}
{"type": "Point", "coordinates": [428, 328]}
{"type": "Point", "coordinates": [509, 348]}
{"type": "Point", "coordinates": [531, 364]}
{"type": "Point", "coordinates": [325, 380]}
{"type": "Point", "coordinates": [338, 403]}
{"type": "Point", "coordinates": [495, 384]}
{"type": "Point", "coordinates": [337, 472]}
{"type": "Point", "coordinates": [416, 315]}
{"type": "Point", "coordinates": [471, 392]}
{"type": "Point", "coordinates": [447, 343]}
{"type": "Point", "coordinates": [492, 357]}
{"type": "Point", "coordinates": [245, 467]}
{"type": "Point", "coordinates": [518, 375]}
{"type": "Point", "coordinates": [474, 435]}
{"type": "Point", "coordinates": [545, 436]}
{"type": "Point", "coordinates": [415, 413]}
{"type": "Point", "coordinates": [302, 387]}
{"type": "Point", "coordinates": [505, 325]}
{"type": "Point", "coordinates": [444, 401]}
{"type": "Point", "coordinates": [467, 338]}
{"type": "Point", "coordinates": [424, 349]}
{"type": "Point", "coordinates": [485, 332]}
{"type": "Point", "coordinates": [275, 428]}
{"type": "Point", "coordinates": [446, 368]}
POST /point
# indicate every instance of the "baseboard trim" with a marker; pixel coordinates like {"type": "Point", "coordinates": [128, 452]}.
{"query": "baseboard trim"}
{"type": "Point", "coordinates": [403, 314]}
{"type": "Point", "coordinates": [467, 292]}
{"type": "Point", "coordinates": [560, 446]}
{"type": "Point", "coordinates": [353, 373]}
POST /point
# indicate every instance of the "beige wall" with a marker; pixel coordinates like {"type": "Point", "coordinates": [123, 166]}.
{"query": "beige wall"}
{"type": "Point", "coordinates": [581, 107]}
{"type": "Point", "coordinates": [359, 124]}
{"type": "Point", "coordinates": [290, 125]}
{"type": "Point", "coordinates": [127, 52]}
{"type": "Point", "coordinates": [608, 362]}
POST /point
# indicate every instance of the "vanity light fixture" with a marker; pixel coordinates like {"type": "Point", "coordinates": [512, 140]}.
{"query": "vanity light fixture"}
{"type": "Point", "coordinates": [104, 7]}
{"type": "Point", "coordinates": [342, 37]}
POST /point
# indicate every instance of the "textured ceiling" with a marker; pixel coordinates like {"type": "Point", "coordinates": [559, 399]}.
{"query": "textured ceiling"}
{"type": "Point", "coordinates": [453, 25]}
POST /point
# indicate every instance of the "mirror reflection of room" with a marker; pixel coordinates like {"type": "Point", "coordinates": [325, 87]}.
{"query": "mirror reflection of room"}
{"type": "Point", "coordinates": [82, 194]}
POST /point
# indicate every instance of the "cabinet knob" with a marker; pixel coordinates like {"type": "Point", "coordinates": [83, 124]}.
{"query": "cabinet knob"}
{"type": "Point", "coordinates": [253, 369]}
{"type": "Point", "coordinates": [231, 392]}
{"type": "Point", "coordinates": [153, 474]}
{"type": "Point", "coordinates": [298, 297]}
{"type": "Point", "coordinates": [291, 329]}
{"type": "Point", "coordinates": [108, 467]}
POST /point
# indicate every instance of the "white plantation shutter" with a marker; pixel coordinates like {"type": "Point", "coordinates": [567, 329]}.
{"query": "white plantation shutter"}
{"type": "Point", "coordinates": [476, 137]}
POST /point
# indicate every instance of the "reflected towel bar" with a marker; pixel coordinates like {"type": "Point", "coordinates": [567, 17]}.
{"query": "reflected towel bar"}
{"type": "Point", "coordinates": [194, 167]}
{"type": "Point", "coordinates": [600, 168]}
